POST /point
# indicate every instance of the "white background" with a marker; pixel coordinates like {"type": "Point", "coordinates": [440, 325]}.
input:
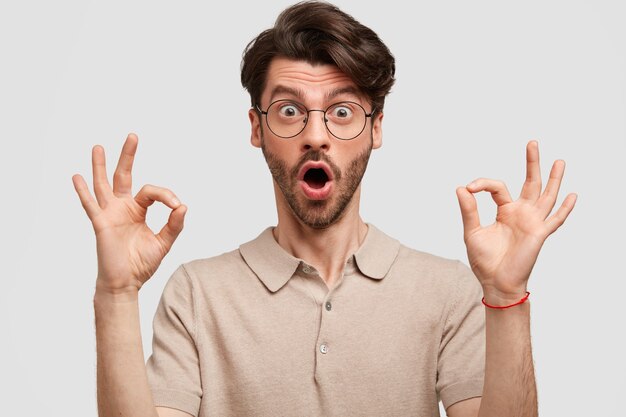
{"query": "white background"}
{"type": "Point", "coordinates": [475, 81]}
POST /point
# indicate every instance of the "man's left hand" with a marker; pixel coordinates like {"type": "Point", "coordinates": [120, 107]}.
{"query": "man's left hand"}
{"type": "Point", "coordinates": [503, 254]}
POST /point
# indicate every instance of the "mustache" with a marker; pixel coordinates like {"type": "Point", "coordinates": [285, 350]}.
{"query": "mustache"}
{"type": "Point", "coordinates": [315, 155]}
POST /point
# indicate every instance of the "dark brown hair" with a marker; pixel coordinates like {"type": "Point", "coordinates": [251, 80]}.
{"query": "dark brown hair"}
{"type": "Point", "coordinates": [320, 33]}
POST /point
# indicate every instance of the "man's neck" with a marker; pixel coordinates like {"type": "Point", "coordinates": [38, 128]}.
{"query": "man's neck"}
{"type": "Point", "coordinates": [325, 249]}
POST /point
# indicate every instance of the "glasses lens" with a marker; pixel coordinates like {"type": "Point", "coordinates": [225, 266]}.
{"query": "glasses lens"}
{"type": "Point", "coordinates": [286, 118]}
{"type": "Point", "coordinates": [345, 120]}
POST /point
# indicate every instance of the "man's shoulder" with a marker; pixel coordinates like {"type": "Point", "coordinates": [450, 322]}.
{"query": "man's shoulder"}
{"type": "Point", "coordinates": [214, 264]}
{"type": "Point", "coordinates": [229, 266]}
{"type": "Point", "coordinates": [411, 262]}
{"type": "Point", "coordinates": [435, 278]}
{"type": "Point", "coordinates": [408, 254]}
{"type": "Point", "coordinates": [427, 260]}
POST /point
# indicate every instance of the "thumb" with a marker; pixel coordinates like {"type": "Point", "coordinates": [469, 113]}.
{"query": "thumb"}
{"type": "Point", "coordinates": [173, 227]}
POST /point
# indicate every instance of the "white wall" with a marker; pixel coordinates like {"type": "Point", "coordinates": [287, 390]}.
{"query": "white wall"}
{"type": "Point", "coordinates": [475, 81]}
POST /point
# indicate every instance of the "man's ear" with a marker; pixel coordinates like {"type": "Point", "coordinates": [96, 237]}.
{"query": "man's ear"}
{"type": "Point", "coordinates": [255, 128]}
{"type": "Point", "coordinates": [377, 130]}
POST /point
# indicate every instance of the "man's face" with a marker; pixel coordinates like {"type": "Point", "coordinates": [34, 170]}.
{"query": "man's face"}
{"type": "Point", "coordinates": [318, 175]}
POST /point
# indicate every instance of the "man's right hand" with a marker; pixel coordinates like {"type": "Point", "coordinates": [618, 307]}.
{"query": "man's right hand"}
{"type": "Point", "coordinates": [129, 253]}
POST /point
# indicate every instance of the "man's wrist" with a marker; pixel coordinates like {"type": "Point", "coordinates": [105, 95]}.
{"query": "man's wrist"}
{"type": "Point", "coordinates": [106, 296]}
{"type": "Point", "coordinates": [495, 297]}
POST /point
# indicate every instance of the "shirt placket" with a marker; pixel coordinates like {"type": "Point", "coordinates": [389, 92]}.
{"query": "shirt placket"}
{"type": "Point", "coordinates": [329, 333]}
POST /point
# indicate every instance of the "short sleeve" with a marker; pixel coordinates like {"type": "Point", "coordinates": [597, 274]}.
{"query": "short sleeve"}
{"type": "Point", "coordinates": [173, 368]}
{"type": "Point", "coordinates": [461, 364]}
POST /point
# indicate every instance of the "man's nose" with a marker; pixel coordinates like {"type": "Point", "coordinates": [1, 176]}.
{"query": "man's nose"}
{"type": "Point", "coordinates": [315, 134]}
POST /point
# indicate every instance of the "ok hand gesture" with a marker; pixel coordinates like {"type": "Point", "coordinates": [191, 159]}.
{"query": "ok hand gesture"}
{"type": "Point", "coordinates": [503, 254]}
{"type": "Point", "coordinates": [129, 253]}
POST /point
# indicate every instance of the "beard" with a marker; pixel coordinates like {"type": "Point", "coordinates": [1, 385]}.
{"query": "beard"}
{"type": "Point", "coordinates": [318, 214]}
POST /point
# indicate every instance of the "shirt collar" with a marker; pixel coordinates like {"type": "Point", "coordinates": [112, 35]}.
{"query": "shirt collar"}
{"type": "Point", "coordinates": [377, 253]}
{"type": "Point", "coordinates": [274, 266]}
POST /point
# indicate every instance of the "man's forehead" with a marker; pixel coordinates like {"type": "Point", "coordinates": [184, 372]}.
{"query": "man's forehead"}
{"type": "Point", "coordinates": [303, 93]}
{"type": "Point", "coordinates": [302, 79]}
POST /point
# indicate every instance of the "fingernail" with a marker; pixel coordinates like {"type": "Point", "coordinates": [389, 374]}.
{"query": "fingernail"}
{"type": "Point", "coordinates": [175, 201]}
{"type": "Point", "coordinates": [471, 184]}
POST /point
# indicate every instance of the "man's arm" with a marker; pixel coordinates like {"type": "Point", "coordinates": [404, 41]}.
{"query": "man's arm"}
{"type": "Point", "coordinates": [509, 387]}
{"type": "Point", "coordinates": [122, 381]}
{"type": "Point", "coordinates": [502, 256]}
{"type": "Point", "coordinates": [128, 255]}
{"type": "Point", "coordinates": [121, 373]}
{"type": "Point", "coordinates": [509, 374]}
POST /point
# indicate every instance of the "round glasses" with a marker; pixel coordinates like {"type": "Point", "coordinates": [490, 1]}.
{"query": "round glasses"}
{"type": "Point", "coordinates": [344, 120]}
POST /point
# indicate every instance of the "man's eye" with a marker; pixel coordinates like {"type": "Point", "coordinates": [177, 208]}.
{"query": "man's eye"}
{"type": "Point", "coordinates": [289, 110]}
{"type": "Point", "coordinates": [342, 112]}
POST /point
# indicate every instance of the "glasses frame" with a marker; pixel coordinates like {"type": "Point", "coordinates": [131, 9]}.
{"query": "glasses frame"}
{"type": "Point", "coordinates": [306, 119]}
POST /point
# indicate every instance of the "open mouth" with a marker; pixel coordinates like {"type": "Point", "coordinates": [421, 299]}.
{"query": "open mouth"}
{"type": "Point", "coordinates": [315, 178]}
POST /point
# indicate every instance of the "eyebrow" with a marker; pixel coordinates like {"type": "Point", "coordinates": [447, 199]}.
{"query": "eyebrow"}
{"type": "Point", "coordinates": [353, 91]}
{"type": "Point", "coordinates": [281, 89]}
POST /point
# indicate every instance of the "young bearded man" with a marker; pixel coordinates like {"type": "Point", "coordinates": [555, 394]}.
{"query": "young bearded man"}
{"type": "Point", "coordinates": [323, 314]}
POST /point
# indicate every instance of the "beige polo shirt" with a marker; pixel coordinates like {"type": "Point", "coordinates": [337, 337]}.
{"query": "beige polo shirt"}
{"type": "Point", "coordinates": [256, 332]}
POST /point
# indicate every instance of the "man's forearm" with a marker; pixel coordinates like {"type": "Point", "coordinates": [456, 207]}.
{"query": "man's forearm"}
{"type": "Point", "coordinates": [123, 388]}
{"type": "Point", "coordinates": [509, 387]}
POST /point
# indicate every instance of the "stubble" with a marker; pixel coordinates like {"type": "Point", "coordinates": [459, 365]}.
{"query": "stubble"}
{"type": "Point", "coordinates": [318, 214]}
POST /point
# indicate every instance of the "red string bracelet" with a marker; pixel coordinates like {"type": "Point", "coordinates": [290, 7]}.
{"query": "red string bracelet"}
{"type": "Point", "coordinates": [502, 307]}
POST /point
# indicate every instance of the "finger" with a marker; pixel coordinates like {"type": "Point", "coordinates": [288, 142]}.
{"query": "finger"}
{"type": "Point", "coordinates": [498, 190]}
{"type": "Point", "coordinates": [469, 210]}
{"type": "Point", "coordinates": [548, 199]}
{"type": "Point", "coordinates": [557, 219]}
{"type": "Point", "coordinates": [86, 199]}
{"type": "Point", "coordinates": [532, 186]}
{"type": "Point", "coordinates": [151, 193]}
{"type": "Point", "coordinates": [168, 234]}
{"type": "Point", "coordinates": [122, 178]}
{"type": "Point", "coordinates": [101, 186]}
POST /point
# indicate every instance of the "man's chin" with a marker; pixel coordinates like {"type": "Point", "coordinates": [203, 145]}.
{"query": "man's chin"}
{"type": "Point", "coordinates": [317, 215]}
{"type": "Point", "coordinates": [320, 224]}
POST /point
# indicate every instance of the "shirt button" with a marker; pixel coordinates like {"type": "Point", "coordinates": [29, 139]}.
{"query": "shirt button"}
{"type": "Point", "coordinates": [329, 306]}
{"type": "Point", "coordinates": [307, 269]}
{"type": "Point", "coordinates": [324, 348]}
